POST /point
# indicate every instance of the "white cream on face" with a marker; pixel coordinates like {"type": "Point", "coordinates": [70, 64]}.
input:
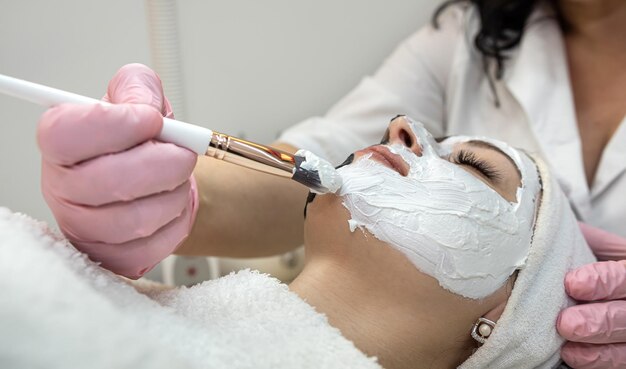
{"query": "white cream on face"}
{"type": "Point", "coordinates": [450, 224]}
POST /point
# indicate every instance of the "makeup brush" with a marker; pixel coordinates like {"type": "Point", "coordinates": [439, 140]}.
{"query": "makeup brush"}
{"type": "Point", "coordinates": [303, 167]}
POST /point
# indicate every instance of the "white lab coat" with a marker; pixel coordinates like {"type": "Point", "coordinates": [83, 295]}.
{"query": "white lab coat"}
{"type": "Point", "coordinates": [437, 77]}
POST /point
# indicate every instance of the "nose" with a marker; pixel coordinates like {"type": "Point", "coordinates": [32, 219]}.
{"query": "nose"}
{"type": "Point", "coordinates": [400, 132]}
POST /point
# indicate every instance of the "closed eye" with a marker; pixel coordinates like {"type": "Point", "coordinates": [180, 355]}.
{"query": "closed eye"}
{"type": "Point", "coordinates": [464, 157]}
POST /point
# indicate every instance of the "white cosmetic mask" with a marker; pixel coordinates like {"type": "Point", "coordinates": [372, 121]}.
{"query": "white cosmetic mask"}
{"type": "Point", "coordinates": [451, 225]}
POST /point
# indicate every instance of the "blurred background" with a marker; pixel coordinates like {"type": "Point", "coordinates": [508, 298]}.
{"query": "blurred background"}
{"type": "Point", "coordinates": [244, 67]}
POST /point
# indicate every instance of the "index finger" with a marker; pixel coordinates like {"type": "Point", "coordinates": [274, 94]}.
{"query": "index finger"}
{"type": "Point", "coordinates": [68, 134]}
{"type": "Point", "coordinates": [597, 281]}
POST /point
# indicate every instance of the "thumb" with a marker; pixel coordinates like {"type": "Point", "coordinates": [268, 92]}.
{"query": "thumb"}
{"type": "Point", "coordinates": [138, 84]}
{"type": "Point", "coordinates": [605, 245]}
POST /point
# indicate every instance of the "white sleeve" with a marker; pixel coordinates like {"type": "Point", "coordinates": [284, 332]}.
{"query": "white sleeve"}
{"type": "Point", "coordinates": [411, 82]}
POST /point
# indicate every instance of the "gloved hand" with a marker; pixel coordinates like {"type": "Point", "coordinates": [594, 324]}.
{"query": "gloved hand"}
{"type": "Point", "coordinates": [118, 195]}
{"type": "Point", "coordinates": [597, 327]}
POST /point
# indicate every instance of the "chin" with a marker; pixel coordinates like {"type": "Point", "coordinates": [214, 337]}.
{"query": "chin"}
{"type": "Point", "coordinates": [326, 220]}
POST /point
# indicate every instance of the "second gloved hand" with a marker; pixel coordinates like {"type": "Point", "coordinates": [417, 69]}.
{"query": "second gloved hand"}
{"type": "Point", "coordinates": [117, 194]}
{"type": "Point", "coordinates": [596, 327]}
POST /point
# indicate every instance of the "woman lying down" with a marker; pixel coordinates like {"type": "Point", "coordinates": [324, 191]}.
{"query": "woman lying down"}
{"type": "Point", "coordinates": [432, 255]}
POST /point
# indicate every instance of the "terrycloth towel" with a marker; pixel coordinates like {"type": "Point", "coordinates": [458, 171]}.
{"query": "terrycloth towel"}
{"type": "Point", "coordinates": [525, 335]}
{"type": "Point", "coordinates": [60, 310]}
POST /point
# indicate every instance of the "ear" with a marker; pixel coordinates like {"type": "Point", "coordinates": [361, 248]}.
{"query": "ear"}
{"type": "Point", "coordinates": [495, 313]}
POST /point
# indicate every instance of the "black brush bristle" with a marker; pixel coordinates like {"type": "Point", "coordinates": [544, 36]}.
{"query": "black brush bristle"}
{"type": "Point", "coordinates": [311, 196]}
{"type": "Point", "coordinates": [309, 178]}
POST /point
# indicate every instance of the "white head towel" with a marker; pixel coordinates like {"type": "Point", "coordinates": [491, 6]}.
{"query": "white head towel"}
{"type": "Point", "coordinates": [525, 335]}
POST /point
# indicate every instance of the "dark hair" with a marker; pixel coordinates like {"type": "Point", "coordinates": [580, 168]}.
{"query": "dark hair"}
{"type": "Point", "coordinates": [502, 25]}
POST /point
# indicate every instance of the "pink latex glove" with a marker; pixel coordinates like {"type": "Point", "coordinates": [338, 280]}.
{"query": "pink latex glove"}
{"type": "Point", "coordinates": [118, 195]}
{"type": "Point", "coordinates": [597, 327]}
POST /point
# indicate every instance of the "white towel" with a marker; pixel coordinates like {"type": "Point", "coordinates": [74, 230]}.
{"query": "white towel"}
{"type": "Point", "coordinates": [525, 335]}
{"type": "Point", "coordinates": [60, 310]}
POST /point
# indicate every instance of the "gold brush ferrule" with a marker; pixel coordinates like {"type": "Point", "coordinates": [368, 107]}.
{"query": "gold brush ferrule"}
{"type": "Point", "coordinates": [251, 155]}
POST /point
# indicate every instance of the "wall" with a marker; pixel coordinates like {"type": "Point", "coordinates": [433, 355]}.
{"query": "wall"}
{"type": "Point", "coordinates": [72, 45]}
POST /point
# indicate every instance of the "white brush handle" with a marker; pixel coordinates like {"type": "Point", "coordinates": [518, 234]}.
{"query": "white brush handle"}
{"type": "Point", "coordinates": [190, 136]}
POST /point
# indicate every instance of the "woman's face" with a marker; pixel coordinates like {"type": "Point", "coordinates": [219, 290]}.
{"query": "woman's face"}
{"type": "Point", "coordinates": [481, 159]}
{"type": "Point", "coordinates": [461, 210]}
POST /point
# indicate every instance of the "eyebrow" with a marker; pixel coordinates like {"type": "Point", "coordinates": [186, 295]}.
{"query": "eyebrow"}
{"type": "Point", "coordinates": [488, 146]}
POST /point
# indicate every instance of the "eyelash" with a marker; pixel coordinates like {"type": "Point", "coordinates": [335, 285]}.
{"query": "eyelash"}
{"type": "Point", "coordinates": [469, 158]}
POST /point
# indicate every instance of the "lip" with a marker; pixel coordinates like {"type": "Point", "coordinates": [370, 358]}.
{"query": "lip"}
{"type": "Point", "coordinates": [385, 157]}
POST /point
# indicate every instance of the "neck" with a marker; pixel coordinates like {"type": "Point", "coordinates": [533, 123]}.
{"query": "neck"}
{"type": "Point", "coordinates": [598, 21]}
{"type": "Point", "coordinates": [384, 316]}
